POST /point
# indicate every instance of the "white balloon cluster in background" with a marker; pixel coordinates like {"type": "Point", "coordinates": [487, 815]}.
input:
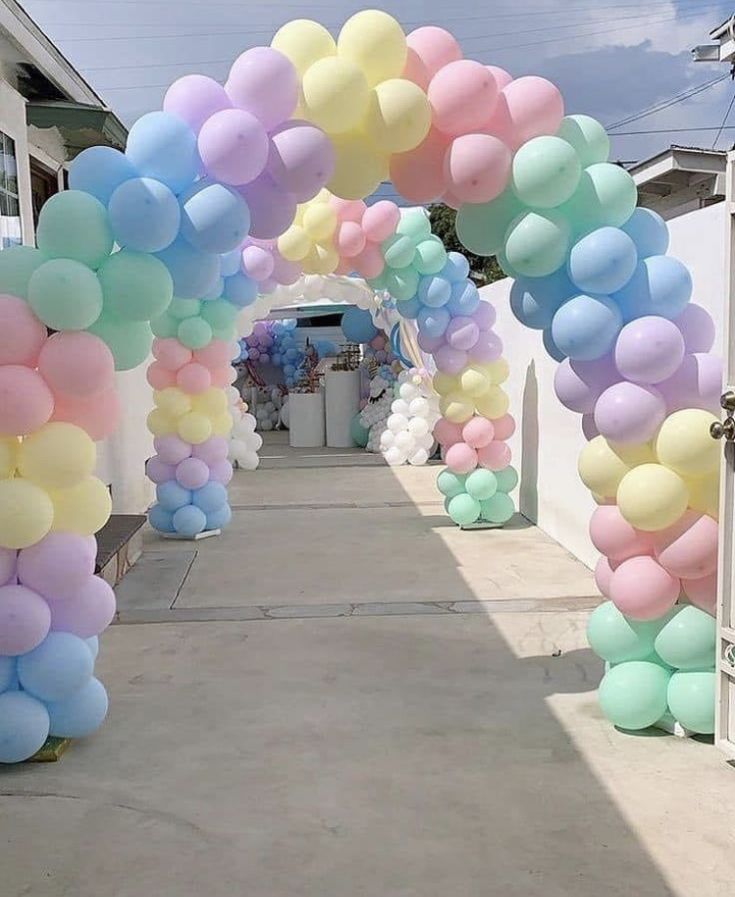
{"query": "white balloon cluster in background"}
{"type": "Point", "coordinates": [268, 409]}
{"type": "Point", "coordinates": [377, 411]}
{"type": "Point", "coordinates": [245, 443]}
{"type": "Point", "coordinates": [409, 433]}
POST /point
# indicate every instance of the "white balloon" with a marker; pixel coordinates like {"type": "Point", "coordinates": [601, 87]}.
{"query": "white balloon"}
{"type": "Point", "coordinates": [401, 407]}
{"type": "Point", "coordinates": [418, 457]}
{"type": "Point", "coordinates": [395, 457]}
{"type": "Point", "coordinates": [387, 439]}
{"type": "Point", "coordinates": [408, 392]}
{"type": "Point", "coordinates": [418, 427]}
{"type": "Point", "coordinates": [405, 441]}
{"type": "Point", "coordinates": [419, 407]}
{"type": "Point", "coordinates": [397, 422]}
{"type": "Point", "coordinates": [427, 442]}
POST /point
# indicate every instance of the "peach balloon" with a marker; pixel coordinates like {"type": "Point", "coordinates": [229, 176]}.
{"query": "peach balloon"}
{"type": "Point", "coordinates": [702, 592]}
{"type": "Point", "coordinates": [419, 175]}
{"type": "Point", "coordinates": [160, 377]}
{"type": "Point", "coordinates": [613, 536]}
{"type": "Point", "coordinates": [97, 415]}
{"type": "Point", "coordinates": [348, 209]}
{"type": "Point", "coordinates": [21, 333]}
{"type": "Point", "coordinates": [222, 376]}
{"type": "Point", "coordinates": [77, 364]}
{"type": "Point", "coordinates": [477, 168]}
{"type": "Point", "coordinates": [26, 403]}
{"type": "Point", "coordinates": [641, 589]}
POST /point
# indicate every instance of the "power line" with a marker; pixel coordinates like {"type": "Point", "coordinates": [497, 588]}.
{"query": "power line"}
{"type": "Point", "coordinates": [666, 103]}
{"type": "Point", "coordinates": [673, 130]}
{"type": "Point", "coordinates": [724, 120]}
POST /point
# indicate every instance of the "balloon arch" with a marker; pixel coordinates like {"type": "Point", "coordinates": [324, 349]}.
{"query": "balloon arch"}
{"type": "Point", "coordinates": [231, 191]}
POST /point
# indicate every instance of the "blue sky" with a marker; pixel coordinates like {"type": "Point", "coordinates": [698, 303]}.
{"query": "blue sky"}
{"type": "Point", "coordinates": [611, 58]}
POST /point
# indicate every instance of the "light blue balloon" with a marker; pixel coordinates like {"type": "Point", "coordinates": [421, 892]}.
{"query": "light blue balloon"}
{"type": "Point", "coordinates": [194, 273]}
{"type": "Point", "coordinates": [585, 328]}
{"type": "Point", "coordinates": [603, 261]}
{"type": "Point", "coordinates": [433, 321]}
{"type": "Point", "coordinates": [551, 347]}
{"type": "Point", "coordinates": [456, 269]}
{"type": "Point", "coordinates": [162, 146]}
{"type": "Point", "coordinates": [535, 300]}
{"type": "Point", "coordinates": [214, 218]}
{"type": "Point", "coordinates": [649, 232]}
{"type": "Point", "coordinates": [100, 170]}
{"type": "Point", "coordinates": [144, 215]}
{"type": "Point", "coordinates": [661, 285]}
{"type": "Point", "coordinates": [409, 308]}
{"type": "Point", "coordinates": [465, 298]}
{"type": "Point", "coordinates": [220, 518]}
{"type": "Point", "coordinates": [216, 291]}
{"type": "Point", "coordinates": [240, 290]}
{"type": "Point", "coordinates": [7, 672]}
{"type": "Point", "coordinates": [434, 291]}
{"type": "Point", "coordinates": [230, 263]}
{"type": "Point", "coordinates": [210, 497]}
{"type": "Point", "coordinates": [93, 643]}
{"type": "Point", "coordinates": [357, 325]}
{"type": "Point", "coordinates": [81, 713]}
{"type": "Point", "coordinates": [189, 521]}
{"type": "Point", "coordinates": [56, 668]}
{"type": "Point", "coordinates": [24, 726]}
{"type": "Point", "coordinates": [289, 370]}
{"type": "Point", "coordinates": [171, 497]}
{"type": "Point", "coordinates": [161, 519]}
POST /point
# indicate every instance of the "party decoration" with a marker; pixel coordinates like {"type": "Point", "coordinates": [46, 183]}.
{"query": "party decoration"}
{"type": "Point", "coordinates": [409, 433]}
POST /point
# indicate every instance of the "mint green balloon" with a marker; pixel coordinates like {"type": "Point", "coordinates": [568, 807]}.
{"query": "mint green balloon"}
{"type": "Point", "coordinates": [431, 256]}
{"type": "Point", "coordinates": [402, 284]}
{"type": "Point", "coordinates": [507, 479]}
{"type": "Point", "coordinates": [74, 225]}
{"type": "Point", "coordinates": [377, 283]}
{"type": "Point", "coordinates": [537, 243]}
{"type": "Point", "coordinates": [359, 433]}
{"type": "Point", "coordinates": [546, 172]}
{"type": "Point", "coordinates": [464, 509]}
{"type": "Point", "coordinates": [136, 286]}
{"type": "Point", "coordinates": [17, 264]}
{"type": "Point", "coordinates": [687, 641]}
{"type": "Point", "coordinates": [184, 308]}
{"type": "Point", "coordinates": [398, 251]}
{"type": "Point", "coordinates": [129, 341]}
{"type": "Point", "coordinates": [506, 267]}
{"type": "Point", "coordinates": [414, 224]}
{"type": "Point", "coordinates": [691, 697]}
{"type": "Point", "coordinates": [194, 333]}
{"type": "Point", "coordinates": [225, 334]}
{"type": "Point", "coordinates": [482, 227]}
{"type": "Point", "coordinates": [65, 295]}
{"type": "Point", "coordinates": [633, 695]}
{"type": "Point", "coordinates": [481, 484]}
{"type": "Point", "coordinates": [219, 314]}
{"type": "Point", "coordinates": [606, 196]}
{"type": "Point", "coordinates": [450, 484]}
{"type": "Point", "coordinates": [616, 639]}
{"type": "Point", "coordinates": [499, 509]}
{"type": "Point", "coordinates": [587, 136]}
{"type": "Point", "coordinates": [165, 326]}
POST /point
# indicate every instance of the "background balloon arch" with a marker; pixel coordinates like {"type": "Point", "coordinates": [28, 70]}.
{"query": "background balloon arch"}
{"type": "Point", "coordinates": [231, 191]}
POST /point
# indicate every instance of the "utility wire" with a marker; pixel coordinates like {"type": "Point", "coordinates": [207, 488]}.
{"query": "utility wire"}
{"type": "Point", "coordinates": [724, 121]}
{"type": "Point", "coordinates": [667, 103]}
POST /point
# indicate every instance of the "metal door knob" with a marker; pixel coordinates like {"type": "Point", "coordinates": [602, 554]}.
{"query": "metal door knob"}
{"type": "Point", "coordinates": [723, 429]}
{"type": "Point", "coordinates": [727, 400]}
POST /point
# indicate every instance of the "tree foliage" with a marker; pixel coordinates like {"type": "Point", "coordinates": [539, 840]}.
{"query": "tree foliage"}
{"type": "Point", "coordinates": [482, 270]}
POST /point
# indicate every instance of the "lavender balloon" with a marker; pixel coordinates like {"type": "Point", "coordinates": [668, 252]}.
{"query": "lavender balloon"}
{"type": "Point", "coordinates": [272, 210]}
{"type": "Point", "coordinates": [629, 413]}
{"type": "Point", "coordinates": [195, 98]}
{"type": "Point", "coordinates": [579, 384]}
{"type": "Point", "coordinates": [233, 146]}
{"type": "Point", "coordinates": [697, 328]}
{"type": "Point", "coordinates": [649, 350]}
{"type": "Point", "coordinates": [264, 83]}
{"type": "Point", "coordinates": [697, 384]}
{"type": "Point", "coordinates": [301, 159]}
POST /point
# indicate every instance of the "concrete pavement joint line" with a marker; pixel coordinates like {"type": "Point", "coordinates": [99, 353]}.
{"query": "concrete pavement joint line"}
{"type": "Point", "coordinates": [183, 580]}
{"type": "Point", "coordinates": [337, 506]}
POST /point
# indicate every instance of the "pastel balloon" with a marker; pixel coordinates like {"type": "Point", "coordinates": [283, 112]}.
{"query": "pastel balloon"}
{"type": "Point", "coordinates": [465, 300]}
{"type": "Point", "coordinates": [606, 196]}
{"type": "Point", "coordinates": [462, 96]}
{"type": "Point", "coordinates": [633, 695]}
{"type": "Point", "coordinates": [535, 107]}
{"type": "Point", "coordinates": [586, 327]}
{"type": "Point", "coordinates": [81, 714]}
{"type": "Point", "coordinates": [304, 42]}
{"type": "Point", "coordinates": [301, 159]}
{"type": "Point", "coordinates": [477, 167]}
{"type": "Point", "coordinates": [649, 349]}
{"type": "Point", "coordinates": [374, 41]}
{"type": "Point", "coordinates": [193, 378]}
{"type": "Point", "coordinates": [603, 577]}
{"type": "Point", "coordinates": [58, 667]}
{"type": "Point", "coordinates": [546, 172]}
{"type": "Point", "coordinates": [461, 458]}
{"type": "Point", "coordinates": [697, 329]}
{"type": "Point", "coordinates": [398, 117]}
{"type": "Point", "coordinates": [536, 244]}
{"type": "Point", "coordinates": [17, 264]}
{"type": "Point", "coordinates": [192, 473]}
{"type": "Point", "coordinates": [629, 413]}
{"type": "Point", "coordinates": [214, 218]}
{"type": "Point", "coordinates": [696, 384]}
{"type": "Point", "coordinates": [335, 94]}
{"type": "Point", "coordinates": [144, 215]}
{"type": "Point", "coordinates": [579, 384]}
{"type": "Point", "coordinates": [661, 285]}
{"type": "Point", "coordinates": [25, 619]}
{"type": "Point", "coordinates": [77, 364]}
{"type": "Point", "coordinates": [162, 146]}
{"type": "Point", "coordinates": [194, 99]}
{"type": "Point", "coordinates": [617, 639]}
{"type": "Point", "coordinates": [83, 509]}
{"type": "Point", "coordinates": [684, 443]}
{"type": "Point", "coordinates": [159, 472]}
{"type": "Point", "coordinates": [74, 225]}
{"type": "Point", "coordinates": [447, 433]}
{"type": "Point", "coordinates": [429, 49]}
{"type": "Point", "coordinates": [702, 592]}
{"type": "Point", "coordinates": [233, 145]}
{"type": "Point", "coordinates": [189, 521]}
{"type": "Point", "coordinates": [481, 484]}
{"type": "Point", "coordinates": [65, 294]}
{"type": "Point", "coordinates": [602, 466]}
{"type": "Point", "coordinates": [535, 300]}
{"type": "Point", "coordinates": [450, 484]}
{"type": "Point", "coordinates": [24, 726]}
{"type": "Point", "coordinates": [193, 272]}
{"type": "Point", "coordinates": [588, 138]}
{"type": "Point", "coordinates": [99, 170]}
{"type": "Point", "coordinates": [26, 402]}
{"type": "Point", "coordinates": [97, 415]}
{"type": "Point", "coordinates": [651, 497]}
{"type": "Point", "coordinates": [642, 589]}
{"type": "Point", "coordinates": [57, 456]}
{"type": "Point", "coordinates": [504, 426]}
{"type": "Point", "coordinates": [691, 700]}
{"type": "Point", "coordinates": [603, 261]}
{"type": "Point", "coordinates": [129, 341]}
{"type": "Point", "coordinates": [688, 549]}
{"type": "Point", "coordinates": [272, 209]}
{"type": "Point", "coordinates": [495, 456]}
{"type": "Point", "coordinates": [649, 232]}
{"type": "Point", "coordinates": [21, 333]}
{"type": "Point", "coordinates": [419, 176]}
{"type": "Point", "coordinates": [498, 510]}
{"type": "Point", "coordinates": [264, 82]}
{"type": "Point", "coordinates": [464, 509]}
{"type": "Point", "coordinates": [614, 537]}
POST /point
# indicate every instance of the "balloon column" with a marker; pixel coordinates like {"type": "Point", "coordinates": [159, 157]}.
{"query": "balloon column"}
{"type": "Point", "coordinates": [244, 443]}
{"type": "Point", "coordinates": [408, 436]}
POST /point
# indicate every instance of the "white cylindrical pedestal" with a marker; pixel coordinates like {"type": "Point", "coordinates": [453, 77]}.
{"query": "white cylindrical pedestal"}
{"type": "Point", "coordinates": [343, 403]}
{"type": "Point", "coordinates": [306, 419]}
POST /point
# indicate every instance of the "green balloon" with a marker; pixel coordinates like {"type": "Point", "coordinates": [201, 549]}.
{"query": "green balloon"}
{"type": "Point", "coordinates": [616, 639]}
{"type": "Point", "coordinates": [587, 136]}
{"type": "Point", "coordinates": [165, 326]}
{"type": "Point", "coordinates": [402, 284]}
{"type": "Point", "coordinates": [431, 256]}
{"type": "Point", "coordinates": [633, 695]}
{"type": "Point", "coordinates": [507, 479]}
{"type": "Point", "coordinates": [219, 314]}
{"type": "Point", "coordinates": [415, 225]}
{"type": "Point", "coordinates": [74, 225]}
{"type": "Point", "coordinates": [360, 434]}
{"type": "Point", "coordinates": [546, 172]}
{"type": "Point", "coordinates": [194, 333]}
{"type": "Point", "coordinates": [129, 341]}
{"type": "Point", "coordinates": [606, 196]}
{"type": "Point", "coordinates": [17, 264]}
{"type": "Point", "coordinates": [398, 251]}
{"type": "Point", "coordinates": [481, 484]}
{"type": "Point", "coordinates": [691, 697]}
{"type": "Point", "coordinates": [506, 267]}
{"type": "Point", "coordinates": [499, 509]}
{"type": "Point", "coordinates": [688, 640]}
{"type": "Point", "coordinates": [537, 244]}
{"type": "Point", "coordinates": [65, 295]}
{"type": "Point", "coordinates": [377, 283]}
{"type": "Point", "coordinates": [482, 227]}
{"type": "Point", "coordinates": [225, 334]}
{"type": "Point", "coordinates": [450, 484]}
{"type": "Point", "coordinates": [184, 308]}
{"type": "Point", "coordinates": [136, 286]}
{"type": "Point", "coordinates": [464, 509]}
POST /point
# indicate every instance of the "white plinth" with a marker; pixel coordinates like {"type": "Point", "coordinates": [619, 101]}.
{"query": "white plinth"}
{"type": "Point", "coordinates": [342, 404]}
{"type": "Point", "coordinates": [306, 428]}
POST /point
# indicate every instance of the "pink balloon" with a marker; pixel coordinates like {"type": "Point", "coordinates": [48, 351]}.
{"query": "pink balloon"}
{"type": "Point", "coordinates": [489, 347]}
{"type": "Point", "coordinates": [158, 471]}
{"type": "Point", "coordinates": [613, 536]}
{"type": "Point", "coordinates": [272, 209]}
{"type": "Point", "coordinates": [370, 262]}
{"type": "Point", "coordinates": [535, 105]}
{"type": "Point", "coordinates": [285, 272]}
{"type": "Point", "coordinates": [505, 427]}
{"type": "Point", "coordinates": [502, 126]}
{"type": "Point", "coordinates": [194, 378]}
{"type": "Point", "coordinates": [171, 353]}
{"type": "Point", "coordinates": [446, 433]}
{"type": "Point", "coordinates": [450, 361]}
{"type": "Point", "coordinates": [8, 566]}
{"type": "Point", "coordinates": [221, 472]}
{"type": "Point", "coordinates": [485, 315]}
{"type": "Point", "coordinates": [24, 620]}
{"type": "Point", "coordinates": [496, 456]}
{"type": "Point", "coordinates": [159, 377]}
{"type": "Point", "coordinates": [301, 159]}
{"type": "Point", "coordinates": [429, 49]}
{"type": "Point", "coordinates": [688, 549]}
{"type": "Point", "coordinates": [697, 328]}
{"type": "Point", "coordinates": [172, 449]}
{"type": "Point", "coordinates": [264, 82]}
{"type": "Point", "coordinates": [348, 209]}
{"type": "Point", "coordinates": [26, 402]}
{"type": "Point", "coordinates": [419, 175]}
{"type": "Point", "coordinates": [478, 432]}
{"type": "Point", "coordinates": [454, 202]}
{"type": "Point", "coordinates": [192, 473]}
{"type": "Point", "coordinates": [381, 220]}
{"type": "Point", "coordinates": [21, 333]}
{"type": "Point", "coordinates": [702, 592]}
{"type": "Point", "coordinates": [502, 78]}
{"type": "Point", "coordinates": [463, 95]}
{"type": "Point", "coordinates": [97, 415]}
{"type": "Point", "coordinates": [214, 355]}
{"type": "Point", "coordinates": [697, 384]}
{"type": "Point", "coordinates": [224, 376]}
{"type": "Point", "coordinates": [477, 168]}
{"type": "Point", "coordinates": [88, 613]}
{"type": "Point", "coordinates": [194, 98]}
{"type": "Point", "coordinates": [77, 364]}
{"type": "Point", "coordinates": [59, 565]}
{"type": "Point", "coordinates": [462, 333]}
{"type": "Point", "coordinates": [349, 239]}
{"type": "Point", "coordinates": [461, 458]}
{"type": "Point", "coordinates": [213, 450]}
{"type": "Point", "coordinates": [233, 146]}
{"type": "Point", "coordinates": [257, 262]}
{"type": "Point", "coordinates": [642, 590]}
{"type": "Point", "coordinates": [603, 576]}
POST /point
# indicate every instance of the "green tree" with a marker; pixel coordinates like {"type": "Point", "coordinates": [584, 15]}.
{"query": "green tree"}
{"type": "Point", "coordinates": [482, 270]}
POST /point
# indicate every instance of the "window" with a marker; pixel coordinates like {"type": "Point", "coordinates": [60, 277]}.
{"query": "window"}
{"type": "Point", "coordinates": [10, 232]}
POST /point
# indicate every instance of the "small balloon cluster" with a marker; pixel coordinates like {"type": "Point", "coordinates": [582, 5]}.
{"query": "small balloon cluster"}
{"type": "Point", "coordinates": [369, 426]}
{"type": "Point", "coordinates": [409, 253]}
{"type": "Point", "coordinates": [378, 359]}
{"type": "Point", "coordinates": [261, 261]}
{"type": "Point", "coordinates": [244, 443]}
{"type": "Point", "coordinates": [408, 436]}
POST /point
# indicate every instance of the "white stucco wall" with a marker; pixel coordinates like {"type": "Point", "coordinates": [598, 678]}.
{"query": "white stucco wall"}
{"type": "Point", "coordinates": [549, 438]}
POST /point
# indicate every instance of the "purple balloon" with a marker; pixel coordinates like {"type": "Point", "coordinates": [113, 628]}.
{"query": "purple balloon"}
{"type": "Point", "coordinates": [24, 620]}
{"type": "Point", "coordinates": [629, 413]}
{"type": "Point", "coordinates": [195, 98]}
{"type": "Point", "coordinates": [258, 262]}
{"type": "Point", "coordinates": [697, 384]}
{"type": "Point", "coordinates": [88, 613]}
{"type": "Point", "coordinates": [58, 565]}
{"type": "Point", "coordinates": [485, 315]}
{"type": "Point", "coordinates": [284, 272]}
{"type": "Point", "coordinates": [171, 449]}
{"type": "Point", "coordinates": [213, 450]}
{"type": "Point", "coordinates": [301, 159]}
{"type": "Point", "coordinates": [221, 472]}
{"type": "Point", "coordinates": [649, 350]}
{"type": "Point", "coordinates": [192, 473]}
{"type": "Point", "coordinates": [579, 384]}
{"type": "Point", "coordinates": [697, 328]}
{"type": "Point", "coordinates": [233, 146]}
{"type": "Point", "coordinates": [158, 471]}
{"type": "Point", "coordinates": [462, 333]}
{"type": "Point", "coordinates": [430, 344]}
{"type": "Point", "coordinates": [267, 286]}
{"type": "Point", "coordinates": [489, 347]}
{"type": "Point", "coordinates": [450, 361]}
{"type": "Point", "coordinates": [264, 83]}
{"type": "Point", "coordinates": [8, 565]}
{"type": "Point", "coordinates": [272, 209]}
{"type": "Point", "coordinates": [589, 427]}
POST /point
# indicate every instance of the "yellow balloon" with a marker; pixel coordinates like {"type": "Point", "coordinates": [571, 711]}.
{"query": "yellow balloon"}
{"type": "Point", "coordinates": [704, 494]}
{"type": "Point", "coordinates": [295, 244]}
{"type": "Point", "coordinates": [172, 401]}
{"type": "Point", "coordinates": [336, 95]}
{"type": "Point", "coordinates": [321, 260]}
{"type": "Point", "coordinates": [456, 407]}
{"type": "Point", "coordinates": [194, 427]}
{"type": "Point", "coordinates": [498, 371]}
{"type": "Point", "coordinates": [493, 404]}
{"type": "Point", "coordinates": [57, 456]}
{"type": "Point", "coordinates": [651, 497]}
{"type": "Point", "coordinates": [26, 513]}
{"type": "Point", "coordinates": [320, 221]}
{"type": "Point", "coordinates": [358, 169]}
{"type": "Point", "coordinates": [8, 456]}
{"type": "Point", "coordinates": [474, 381]}
{"type": "Point", "coordinates": [212, 402]}
{"type": "Point", "coordinates": [222, 424]}
{"type": "Point", "coordinates": [304, 42]}
{"type": "Point", "coordinates": [684, 443]}
{"type": "Point", "coordinates": [444, 384]}
{"type": "Point", "coordinates": [398, 117]}
{"type": "Point", "coordinates": [84, 509]}
{"type": "Point", "coordinates": [603, 465]}
{"type": "Point", "coordinates": [160, 423]}
{"type": "Point", "coordinates": [375, 42]}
